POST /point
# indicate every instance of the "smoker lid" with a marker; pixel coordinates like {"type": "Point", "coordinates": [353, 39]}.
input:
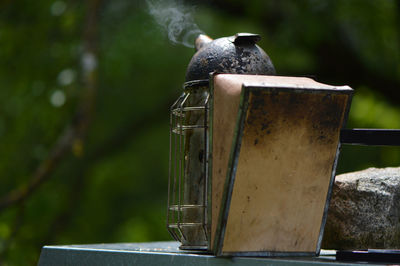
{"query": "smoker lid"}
{"type": "Point", "coordinates": [236, 54]}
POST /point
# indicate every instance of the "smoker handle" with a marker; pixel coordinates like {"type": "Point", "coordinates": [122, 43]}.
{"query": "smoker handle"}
{"type": "Point", "coordinates": [373, 137]}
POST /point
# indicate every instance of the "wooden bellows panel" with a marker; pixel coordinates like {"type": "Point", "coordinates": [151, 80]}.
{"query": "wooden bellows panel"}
{"type": "Point", "coordinates": [274, 147]}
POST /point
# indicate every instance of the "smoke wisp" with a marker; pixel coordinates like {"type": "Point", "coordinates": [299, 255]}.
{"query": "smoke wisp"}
{"type": "Point", "coordinates": [176, 19]}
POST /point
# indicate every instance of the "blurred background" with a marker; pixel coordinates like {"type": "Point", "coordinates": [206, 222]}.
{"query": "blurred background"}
{"type": "Point", "coordinates": [85, 90]}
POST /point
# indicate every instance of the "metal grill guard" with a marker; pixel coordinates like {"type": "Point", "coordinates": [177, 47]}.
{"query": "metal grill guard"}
{"type": "Point", "coordinates": [187, 185]}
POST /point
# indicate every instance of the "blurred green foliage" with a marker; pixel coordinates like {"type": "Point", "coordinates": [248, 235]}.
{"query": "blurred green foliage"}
{"type": "Point", "coordinates": [111, 186]}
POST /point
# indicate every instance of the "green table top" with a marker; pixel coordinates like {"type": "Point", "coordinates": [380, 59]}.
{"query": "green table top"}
{"type": "Point", "coordinates": [162, 253]}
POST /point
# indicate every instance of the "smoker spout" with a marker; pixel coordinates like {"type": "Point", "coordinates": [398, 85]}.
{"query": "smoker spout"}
{"type": "Point", "coordinates": [202, 40]}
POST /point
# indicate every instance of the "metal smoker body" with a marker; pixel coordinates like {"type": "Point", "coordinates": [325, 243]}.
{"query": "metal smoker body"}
{"type": "Point", "coordinates": [188, 199]}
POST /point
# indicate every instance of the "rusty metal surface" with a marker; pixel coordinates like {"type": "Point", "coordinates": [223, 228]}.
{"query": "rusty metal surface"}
{"type": "Point", "coordinates": [235, 54]}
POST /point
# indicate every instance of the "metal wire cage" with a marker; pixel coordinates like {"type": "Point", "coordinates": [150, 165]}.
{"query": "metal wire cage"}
{"type": "Point", "coordinates": [188, 162]}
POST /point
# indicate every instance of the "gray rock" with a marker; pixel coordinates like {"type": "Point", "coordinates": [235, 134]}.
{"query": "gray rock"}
{"type": "Point", "coordinates": [364, 211]}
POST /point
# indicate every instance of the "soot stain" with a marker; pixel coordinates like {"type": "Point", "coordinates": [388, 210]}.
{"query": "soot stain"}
{"type": "Point", "coordinates": [201, 155]}
{"type": "Point", "coordinates": [264, 125]}
{"type": "Point", "coordinates": [274, 111]}
{"type": "Point", "coordinates": [327, 120]}
{"type": "Point", "coordinates": [255, 142]}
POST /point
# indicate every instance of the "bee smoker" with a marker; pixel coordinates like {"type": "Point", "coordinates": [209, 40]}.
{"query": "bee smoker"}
{"type": "Point", "coordinates": [188, 195]}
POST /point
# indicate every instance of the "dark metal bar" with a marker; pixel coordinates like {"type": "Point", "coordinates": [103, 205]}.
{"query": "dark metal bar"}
{"type": "Point", "coordinates": [373, 137]}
